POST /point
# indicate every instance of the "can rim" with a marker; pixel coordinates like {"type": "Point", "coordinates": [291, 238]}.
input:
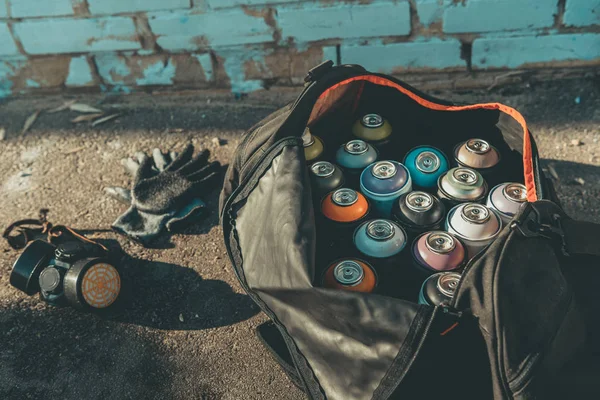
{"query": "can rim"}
{"type": "Point", "coordinates": [447, 194]}
{"type": "Point", "coordinates": [461, 172]}
{"type": "Point", "coordinates": [419, 194]}
{"type": "Point", "coordinates": [372, 121]}
{"type": "Point", "coordinates": [476, 210]}
{"type": "Point", "coordinates": [453, 277]}
{"type": "Point", "coordinates": [350, 193]}
{"type": "Point", "coordinates": [344, 268]}
{"type": "Point", "coordinates": [371, 226]}
{"type": "Point", "coordinates": [356, 147]}
{"type": "Point", "coordinates": [478, 146]}
{"type": "Point", "coordinates": [320, 166]}
{"type": "Point", "coordinates": [435, 160]}
{"type": "Point", "coordinates": [381, 168]}
{"type": "Point", "coordinates": [519, 187]}
{"type": "Point", "coordinates": [443, 234]}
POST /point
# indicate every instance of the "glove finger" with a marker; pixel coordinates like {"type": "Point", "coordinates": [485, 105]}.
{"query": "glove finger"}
{"type": "Point", "coordinates": [118, 193]}
{"type": "Point", "coordinates": [199, 161]}
{"type": "Point", "coordinates": [173, 155]}
{"type": "Point", "coordinates": [141, 156]}
{"type": "Point", "coordinates": [212, 168]}
{"type": "Point", "coordinates": [130, 165]}
{"type": "Point", "coordinates": [160, 160]}
{"type": "Point", "coordinates": [182, 159]}
{"type": "Point", "coordinates": [146, 170]}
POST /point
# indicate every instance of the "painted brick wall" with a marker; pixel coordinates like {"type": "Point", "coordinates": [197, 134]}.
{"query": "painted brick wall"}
{"type": "Point", "coordinates": [124, 45]}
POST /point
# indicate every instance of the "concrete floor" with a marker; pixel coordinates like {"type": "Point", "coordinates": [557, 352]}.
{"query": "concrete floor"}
{"type": "Point", "coordinates": [188, 329]}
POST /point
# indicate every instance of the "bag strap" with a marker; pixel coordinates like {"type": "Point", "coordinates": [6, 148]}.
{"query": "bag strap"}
{"type": "Point", "coordinates": [581, 237]}
{"type": "Point", "coordinates": [546, 219]}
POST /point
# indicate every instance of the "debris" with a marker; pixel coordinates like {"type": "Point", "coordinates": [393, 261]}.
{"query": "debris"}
{"type": "Point", "coordinates": [86, 117]}
{"type": "Point", "coordinates": [498, 78]}
{"type": "Point", "coordinates": [553, 172]}
{"type": "Point", "coordinates": [2, 134]}
{"type": "Point", "coordinates": [62, 107]}
{"type": "Point", "coordinates": [180, 317]}
{"type": "Point", "coordinates": [105, 119]}
{"type": "Point", "coordinates": [218, 142]}
{"type": "Point", "coordinates": [174, 130]}
{"type": "Point", "coordinates": [29, 121]}
{"type": "Point", "coordinates": [576, 142]}
{"type": "Point", "coordinates": [84, 108]}
{"type": "Point", "coordinates": [579, 181]}
{"type": "Point", "coordinates": [75, 150]}
{"type": "Point", "coordinates": [577, 100]}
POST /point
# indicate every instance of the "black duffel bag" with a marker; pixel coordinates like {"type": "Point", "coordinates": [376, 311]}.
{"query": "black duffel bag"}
{"type": "Point", "coordinates": [523, 323]}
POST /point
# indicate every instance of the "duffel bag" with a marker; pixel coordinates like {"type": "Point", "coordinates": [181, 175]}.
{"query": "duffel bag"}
{"type": "Point", "coordinates": [522, 320]}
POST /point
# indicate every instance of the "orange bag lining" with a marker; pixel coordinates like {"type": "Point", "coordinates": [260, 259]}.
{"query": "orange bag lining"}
{"type": "Point", "coordinates": [527, 152]}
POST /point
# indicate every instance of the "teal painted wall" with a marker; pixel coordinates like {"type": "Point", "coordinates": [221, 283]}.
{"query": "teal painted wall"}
{"type": "Point", "coordinates": [122, 45]}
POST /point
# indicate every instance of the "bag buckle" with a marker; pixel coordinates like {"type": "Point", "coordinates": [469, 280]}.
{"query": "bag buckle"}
{"type": "Point", "coordinates": [318, 71]}
{"type": "Point", "coordinates": [534, 225]}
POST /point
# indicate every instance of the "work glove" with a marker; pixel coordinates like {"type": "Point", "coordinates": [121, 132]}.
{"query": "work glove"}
{"type": "Point", "coordinates": [166, 192]}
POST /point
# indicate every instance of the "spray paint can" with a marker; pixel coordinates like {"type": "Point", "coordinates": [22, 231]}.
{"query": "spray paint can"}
{"type": "Point", "coordinates": [343, 210]}
{"type": "Point", "coordinates": [372, 128]}
{"type": "Point", "coordinates": [475, 225]}
{"type": "Point", "coordinates": [325, 177]}
{"type": "Point", "coordinates": [506, 199]}
{"type": "Point", "coordinates": [350, 274]}
{"type": "Point", "coordinates": [418, 212]}
{"type": "Point", "coordinates": [439, 288]}
{"type": "Point", "coordinates": [477, 154]}
{"type": "Point", "coordinates": [313, 146]}
{"type": "Point", "coordinates": [425, 165]}
{"type": "Point", "coordinates": [460, 185]}
{"type": "Point", "coordinates": [353, 157]}
{"type": "Point", "coordinates": [379, 238]}
{"type": "Point", "coordinates": [438, 251]}
{"type": "Point", "coordinates": [383, 182]}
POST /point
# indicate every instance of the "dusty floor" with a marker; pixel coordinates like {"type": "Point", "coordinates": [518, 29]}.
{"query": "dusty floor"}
{"type": "Point", "coordinates": [188, 331]}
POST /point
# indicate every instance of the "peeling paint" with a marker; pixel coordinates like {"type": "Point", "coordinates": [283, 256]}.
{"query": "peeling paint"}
{"type": "Point", "coordinates": [158, 73]}
{"type": "Point", "coordinates": [205, 61]}
{"type": "Point", "coordinates": [80, 73]}
{"type": "Point", "coordinates": [31, 83]}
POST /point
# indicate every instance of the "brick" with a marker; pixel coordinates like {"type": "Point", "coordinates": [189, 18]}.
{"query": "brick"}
{"type": "Point", "coordinates": [7, 44]}
{"type": "Point", "coordinates": [512, 52]}
{"type": "Point", "coordinates": [44, 72]}
{"type": "Point", "coordinates": [40, 8]}
{"type": "Point", "coordinates": [582, 13]}
{"type": "Point", "coordinates": [192, 70]}
{"type": "Point", "coordinates": [186, 31]}
{"type": "Point", "coordinates": [80, 73]}
{"type": "Point", "coordinates": [235, 3]}
{"type": "Point", "coordinates": [121, 6]}
{"type": "Point", "coordinates": [311, 23]}
{"type": "Point", "coordinates": [8, 69]}
{"type": "Point", "coordinates": [283, 63]}
{"type": "Point", "coordinates": [498, 15]}
{"type": "Point", "coordinates": [77, 35]}
{"type": "Point", "coordinates": [395, 57]}
{"type": "Point", "coordinates": [430, 11]}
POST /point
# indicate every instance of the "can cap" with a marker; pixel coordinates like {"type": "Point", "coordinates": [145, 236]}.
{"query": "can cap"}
{"type": "Point", "coordinates": [515, 192]}
{"type": "Point", "coordinates": [475, 213]}
{"type": "Point", "coordinates": [380, 229]}
{"type": "Point", "coordinates": [322, 169]}
{"type": "Point", "coordinates": [465, 176]}
{"type": "Point", "coordinates": [383, 170]}
{"type": "Point", "coordinates": [49, 279]}
{"type": "Point", "coordinates": [447, 283]}
{"type": "Point", "coordinates": [419, 201]}
{"type": "Point", "coordinates": [477, 146]}
{"type": "Point", "coordinates": [428, 162]}
{"type": "Point", "coordinates": [372, 121]}
{"type": "Point", "coordinates": [356, 147]}
{"type": "Point", "coordinates": [440, 242]}
{"type": "Point", "coordinates": [307, 138]}
{"type": "Point", "coordinates": [348, 273]}
{"type": "Point", "coordinates": [344, 197]}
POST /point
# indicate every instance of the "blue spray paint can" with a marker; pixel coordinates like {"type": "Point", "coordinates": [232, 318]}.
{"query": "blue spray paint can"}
{"type": "Point", "coordinates": [353, 157]}
{"type": "Point", "coordinates": [425, 165]}
{"type": "Point", "coordinates": [383, 182]}
{"type": "Point", "coordinates": [379, 238]}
